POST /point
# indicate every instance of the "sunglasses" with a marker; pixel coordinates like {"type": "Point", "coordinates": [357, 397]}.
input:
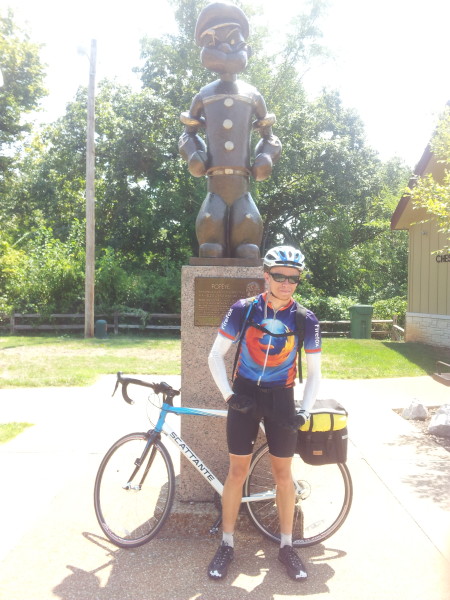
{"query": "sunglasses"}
{"type": "Point", "coordinates": [279, 278]}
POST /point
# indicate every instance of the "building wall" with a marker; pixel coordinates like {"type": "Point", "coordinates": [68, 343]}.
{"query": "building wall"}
{"type": "Point", "coordinates": [428, 328]}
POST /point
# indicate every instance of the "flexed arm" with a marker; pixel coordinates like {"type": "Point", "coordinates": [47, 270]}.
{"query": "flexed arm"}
{"type": "Point", "coordinates": [191, 146]}
{"type": "Point", "coordinates": [268, 149]}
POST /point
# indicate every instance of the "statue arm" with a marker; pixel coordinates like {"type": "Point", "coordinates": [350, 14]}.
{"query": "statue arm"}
{"type": "Point", "coordinates": [191, 146]}
{"type": "Point", "coordinates": [268, 149]}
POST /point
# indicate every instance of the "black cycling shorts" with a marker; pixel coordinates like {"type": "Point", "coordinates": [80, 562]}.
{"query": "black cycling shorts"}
{"type": "Point", "coordinates": [276, 407]}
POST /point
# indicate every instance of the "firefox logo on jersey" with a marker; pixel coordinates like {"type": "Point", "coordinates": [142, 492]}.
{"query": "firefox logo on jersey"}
{"type": "Point", "coordinates": [262, 351]}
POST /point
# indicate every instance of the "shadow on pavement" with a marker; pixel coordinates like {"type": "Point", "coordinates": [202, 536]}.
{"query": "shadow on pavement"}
{"type": "Point", "coordinates": [430, 477]}
{"type": "Point", "coordinates": [175, 569]}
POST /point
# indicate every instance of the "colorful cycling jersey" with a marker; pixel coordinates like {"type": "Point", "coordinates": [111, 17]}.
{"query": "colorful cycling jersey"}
{"type": "Point", "coordinates": [269, 361]}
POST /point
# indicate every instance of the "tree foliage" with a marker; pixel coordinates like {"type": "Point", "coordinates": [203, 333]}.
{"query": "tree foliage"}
{"type": "Point", "coordinates": [23, 76]}
{"type": "Point", "coordinates": [329, 194]}
{"type": "Point", "coordinates": [434, 195]}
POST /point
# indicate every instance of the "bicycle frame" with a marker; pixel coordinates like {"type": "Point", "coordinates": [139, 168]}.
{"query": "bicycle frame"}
{"type": "Point", "coordinates": [185, 450]}
{"type": "Point", "coordinates": [130, 519]}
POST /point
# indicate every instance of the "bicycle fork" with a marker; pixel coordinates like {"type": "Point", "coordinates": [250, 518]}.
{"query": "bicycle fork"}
{"type": "Point", "coordinates": [154, 436]}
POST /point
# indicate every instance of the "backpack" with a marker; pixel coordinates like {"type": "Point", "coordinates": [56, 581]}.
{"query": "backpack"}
{"type": "Point", "coordinates": [300, 318]}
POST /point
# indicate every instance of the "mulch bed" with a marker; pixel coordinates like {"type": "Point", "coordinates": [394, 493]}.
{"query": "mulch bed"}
{"type": "Point", "coordinates": [422, 427]}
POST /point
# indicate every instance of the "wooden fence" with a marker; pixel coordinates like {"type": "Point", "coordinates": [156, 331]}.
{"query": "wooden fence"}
{"type": "Point", "coordinates": [16, 322]}
{"type": "Point", "coordinates": [381, 328]}
{"type": "Point", "coordinates": [58, 322]}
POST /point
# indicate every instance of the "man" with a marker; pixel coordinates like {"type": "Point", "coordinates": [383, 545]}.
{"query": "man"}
{"type": "Point", "coordinates": [263, 388]}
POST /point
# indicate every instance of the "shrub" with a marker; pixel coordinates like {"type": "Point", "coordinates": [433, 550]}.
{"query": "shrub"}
{"type": "Point", "coordinates": [12, 264]}
{"type": "Point", "coordinates": [385, 309]}
{"type": "Point", "coordinates": [111, 281]}
{"type": "Point", "coordinates": [120, 288]}
{"type": "Point", "coordinates": [46, 275]}
{"type": "Point", "coordinates": [336, 308]}
{"type": "Point", "coordinates": [156, 292]}
{"type": "Point", "coordinates": [326, 308]}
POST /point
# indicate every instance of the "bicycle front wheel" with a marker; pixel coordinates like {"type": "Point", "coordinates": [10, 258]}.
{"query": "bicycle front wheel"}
{"type": "Point", "coordinates": [323, 499]}
{"type": "Point", "coordinates": [134, 490]}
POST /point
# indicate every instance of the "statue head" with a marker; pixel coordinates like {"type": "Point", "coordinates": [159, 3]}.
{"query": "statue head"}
{"type": "Point", "coordinates": [221, 31]}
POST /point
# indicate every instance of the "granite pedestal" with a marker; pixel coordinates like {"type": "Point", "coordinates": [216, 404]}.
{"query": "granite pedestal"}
{"type": "Point", "coordinates": [201, 314]}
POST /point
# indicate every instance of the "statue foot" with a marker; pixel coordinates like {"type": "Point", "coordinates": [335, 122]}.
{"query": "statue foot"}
{"type": "Point", "coordinates": [247, 251]}
{"type": "Point", "coordinates": [209, 250]}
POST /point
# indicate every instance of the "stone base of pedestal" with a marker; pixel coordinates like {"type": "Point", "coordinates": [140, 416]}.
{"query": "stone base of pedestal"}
{"type": "Point", "coordinates": [200, 305]}
{"type": "Point", "coordinates": [196, 519]}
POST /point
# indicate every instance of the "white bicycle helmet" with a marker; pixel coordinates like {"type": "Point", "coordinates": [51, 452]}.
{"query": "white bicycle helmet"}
{"type": "Point", "coordinates": [284, 256]}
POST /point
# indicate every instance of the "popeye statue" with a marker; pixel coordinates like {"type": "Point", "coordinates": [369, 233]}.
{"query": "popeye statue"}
{"type": "Point", "coordinates": [228, 223]}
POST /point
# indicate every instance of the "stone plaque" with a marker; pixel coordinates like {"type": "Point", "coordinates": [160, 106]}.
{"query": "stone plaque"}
{"type": "Point", "coordinates": [215, 295]}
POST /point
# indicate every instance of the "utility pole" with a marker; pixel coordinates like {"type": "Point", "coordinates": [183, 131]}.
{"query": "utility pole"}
{"type": "Point", "coordinates": [90, 199]}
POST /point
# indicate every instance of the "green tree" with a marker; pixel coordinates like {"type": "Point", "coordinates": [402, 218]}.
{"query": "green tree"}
{"type": "Point", "coordinates": [329, 193]}
{"type": "Point", "coordinates": [22, 89]}
{"type": "Point", "coordinates": [434, 195]}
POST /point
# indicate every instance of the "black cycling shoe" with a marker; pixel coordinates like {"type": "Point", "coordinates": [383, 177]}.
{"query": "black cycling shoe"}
{"type": "Point", "coordinates": [294, 566]}
{"type": "Point", "coordinates": [218, 567]}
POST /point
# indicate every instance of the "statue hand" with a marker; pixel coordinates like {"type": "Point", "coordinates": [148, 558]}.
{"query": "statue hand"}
{"type": "Point", "coordinates": [262, 167]}
{"type": "Point", "coordinates": [197, 164]}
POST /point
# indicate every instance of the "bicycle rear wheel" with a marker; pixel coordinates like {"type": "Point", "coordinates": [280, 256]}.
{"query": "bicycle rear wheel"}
{"type": "Point", "coordinates": [323, 499]}
{"type": "Point", "coordinates": [134, 490]}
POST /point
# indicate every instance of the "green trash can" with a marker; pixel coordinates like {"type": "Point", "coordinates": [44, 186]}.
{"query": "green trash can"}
{"type": "Point", "coordinates": [361, 321]}
{"type": "Point", "coordinates": [101, 329]}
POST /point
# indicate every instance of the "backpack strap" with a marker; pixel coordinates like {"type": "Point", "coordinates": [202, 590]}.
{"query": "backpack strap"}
{"type": "Point", "coordinates": [300, 318]}
{"type": "Point", "coordinates": [250, 303]}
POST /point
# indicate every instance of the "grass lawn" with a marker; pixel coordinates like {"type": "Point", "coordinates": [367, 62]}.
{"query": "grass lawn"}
{"type": "Point", "coordinates": [371, 359]}
{"type": "Point", "coordinates": [9, 430]}
{"type": "Point", "coordinates": [42, 360]}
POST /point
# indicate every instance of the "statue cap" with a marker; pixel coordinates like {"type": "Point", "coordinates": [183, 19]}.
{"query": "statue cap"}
{"type": "Point", "coordinates": [219, 14]}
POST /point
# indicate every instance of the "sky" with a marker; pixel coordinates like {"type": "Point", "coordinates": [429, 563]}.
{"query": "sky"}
{"type": "Point", "coordinates": [390, 58]}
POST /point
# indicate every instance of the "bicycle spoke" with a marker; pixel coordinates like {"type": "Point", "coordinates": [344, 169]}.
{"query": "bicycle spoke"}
{"type": "Point", "coordinates": [324, 497]}
{"type": "Point", "coordinates": [132, 512]}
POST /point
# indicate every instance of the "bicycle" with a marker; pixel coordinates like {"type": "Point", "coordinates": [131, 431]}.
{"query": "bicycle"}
{"type": "Point", "coordinates": [135, 484]}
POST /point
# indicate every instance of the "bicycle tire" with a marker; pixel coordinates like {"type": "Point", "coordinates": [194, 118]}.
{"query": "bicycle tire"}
{"type": "Point", "coordinates": [321, 506]}
{"type": "Point", "coordinates": [131, 514]}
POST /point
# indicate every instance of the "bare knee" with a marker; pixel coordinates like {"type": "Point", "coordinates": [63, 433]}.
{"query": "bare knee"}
{"type": "Point", "coordinates": [238, 470]}
{"type": "Point", "coordinates": [285, 484]}
{"type": "Point", "coordinates": [281, 469]}
{"type": "Point", "coordinates": [237, 475]}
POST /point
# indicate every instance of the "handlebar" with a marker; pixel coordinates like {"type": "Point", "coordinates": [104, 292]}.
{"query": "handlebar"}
{"type": "Point", "coordinates": [159, 388]}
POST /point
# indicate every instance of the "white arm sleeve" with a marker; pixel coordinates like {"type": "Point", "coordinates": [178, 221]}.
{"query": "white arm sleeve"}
{"type": "Point", "coordinates": [313, 363]}
{"type": "Point", "coordinates": [217, 365]}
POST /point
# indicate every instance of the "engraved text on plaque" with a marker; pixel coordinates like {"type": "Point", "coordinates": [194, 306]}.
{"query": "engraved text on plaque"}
{"type": "Point", "coordinates": [215, 295]}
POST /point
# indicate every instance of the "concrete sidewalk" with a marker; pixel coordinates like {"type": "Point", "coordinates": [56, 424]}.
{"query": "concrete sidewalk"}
{"type": "Point", "coordinates": [394, 544]}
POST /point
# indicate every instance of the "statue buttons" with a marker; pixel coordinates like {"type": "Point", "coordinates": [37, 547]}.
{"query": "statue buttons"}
{"type": "Point", "coordinates": [228, 124]}
{"type": "Point", "coordinates": [228, 102]}
{"type": "Point", "coordinates": [229, 145]}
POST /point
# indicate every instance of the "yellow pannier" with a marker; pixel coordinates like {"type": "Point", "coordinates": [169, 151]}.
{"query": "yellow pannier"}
{"type": "Point", "coordinates": [323, 438]}
{"type": "Point", "coordinates": [326, 415]}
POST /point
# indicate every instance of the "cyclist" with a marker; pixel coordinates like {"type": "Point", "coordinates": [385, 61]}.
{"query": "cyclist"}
{"type": "Point", "coordinates": [263, 388]}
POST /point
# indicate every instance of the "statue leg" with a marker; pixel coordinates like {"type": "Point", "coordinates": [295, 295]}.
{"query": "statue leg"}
{"type": "Point", "coordinates": [246, 228]}
{"type": "Point", "coordinates": [210, 227]}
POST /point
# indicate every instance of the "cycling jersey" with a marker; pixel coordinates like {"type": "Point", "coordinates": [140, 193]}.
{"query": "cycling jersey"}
{"type": "Point", "coordinates": [267, 360]}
